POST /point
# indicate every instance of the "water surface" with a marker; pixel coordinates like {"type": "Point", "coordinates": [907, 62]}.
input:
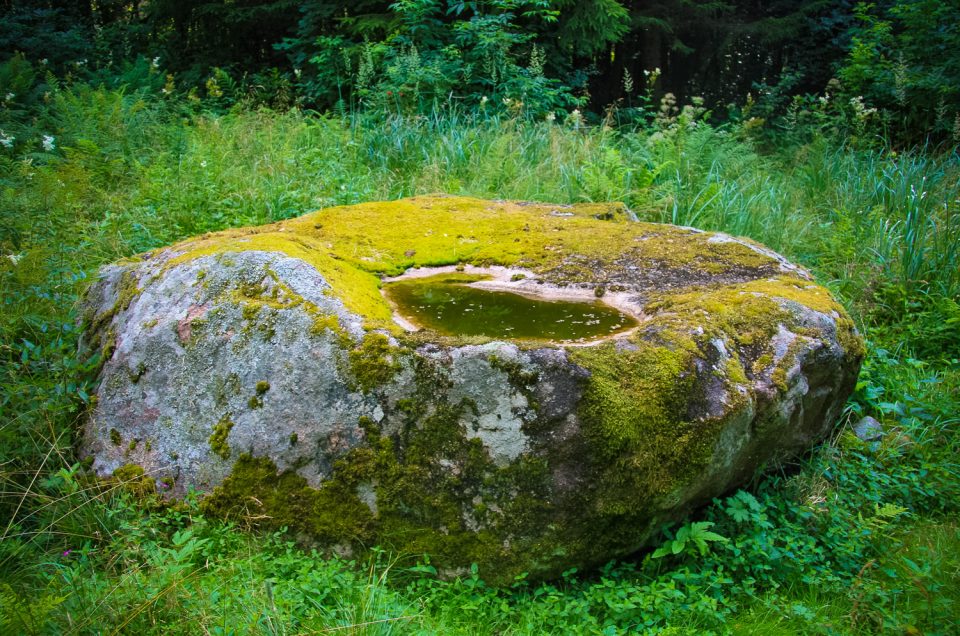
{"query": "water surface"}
{"type": "Point", "coordinates": [445, 304]}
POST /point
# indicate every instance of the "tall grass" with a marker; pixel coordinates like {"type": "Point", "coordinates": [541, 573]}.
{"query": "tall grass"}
{"type": "Point", "coordinates": [130, 173]}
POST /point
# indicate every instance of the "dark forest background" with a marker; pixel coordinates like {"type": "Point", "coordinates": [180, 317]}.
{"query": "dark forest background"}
{"type": "Point", "coordinates": [900, 56]}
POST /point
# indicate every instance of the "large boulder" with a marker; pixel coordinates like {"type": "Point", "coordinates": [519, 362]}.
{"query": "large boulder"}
{"type": "Point", "coordinates": [264, 368]}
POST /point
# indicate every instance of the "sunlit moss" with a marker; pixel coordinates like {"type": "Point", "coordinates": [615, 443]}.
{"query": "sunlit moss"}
{"type": "Point", "coordinates": [353, 246]}
{"type": "Point", "coordinates": [218, 439]}
{"type": "Point", "coordinates": [373, 362]}
{"type": "Point", "coordinates": [634, 415]}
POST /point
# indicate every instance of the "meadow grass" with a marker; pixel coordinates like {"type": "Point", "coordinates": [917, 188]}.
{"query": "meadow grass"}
{"type": "Point", "coordinates": [850, 540]}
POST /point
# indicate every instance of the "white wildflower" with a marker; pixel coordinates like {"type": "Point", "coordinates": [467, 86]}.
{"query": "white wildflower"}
{"type": "Point", "coordinates": [9, 97]}
{"type": "Point", "coordinates": [155, 63]}
{"type": "Point", "coordinates": [860, 109]}
{"type": "Point", "coordinates": [627, 81]}
{"type": "Point", "coordinates": [483, 100]}
{"type": "Point", "coordinates": [44, 61]}
{"type": "Point", "coordinates": [49, 143]}
{"type": "Point", "coordinates": [6, 140]}
{"type": "Point", "coordinates": [551, 117]}
{"type": "Point", "coordinates": [297, 72]}
{"type": "Point", "coordinates": [203, 164]}
{"type": "Point", "coordinates": [14, 258]}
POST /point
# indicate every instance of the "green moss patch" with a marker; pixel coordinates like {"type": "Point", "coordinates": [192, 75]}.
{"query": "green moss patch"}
{"type": "Point", "coordinates": [374, 362]}
{"type": "Point", "coordinates": [354, 246]}
{"type": "Point", "coordinates": [257, 495]}
{"type": "Point", "coordinates": [218, 439]}
{"type": "Point", "coordinates": [633, 414]}
{"type": "Point", "coordinates": [134, 481]}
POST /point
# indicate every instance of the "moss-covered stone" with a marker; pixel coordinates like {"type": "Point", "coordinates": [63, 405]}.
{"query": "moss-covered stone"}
{"type": "Point", "coordinates": [633, 417]}
{"type": "Point", "coordinates": [272, 353]}
{"type": "Point", "coordinates": [431, 487]}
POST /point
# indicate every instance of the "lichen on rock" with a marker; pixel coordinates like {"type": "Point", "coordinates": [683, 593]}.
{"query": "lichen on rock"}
{"type": "Point", "coordinates": [264, 367]}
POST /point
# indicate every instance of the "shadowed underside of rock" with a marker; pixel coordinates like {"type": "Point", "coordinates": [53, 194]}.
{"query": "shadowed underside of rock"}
{"type": "Point", "coordinates": [263, 367]}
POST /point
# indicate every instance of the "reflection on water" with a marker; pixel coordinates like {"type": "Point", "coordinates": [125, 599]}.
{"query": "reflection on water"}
{"type": "Point", "coordinates": [445, 304]}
